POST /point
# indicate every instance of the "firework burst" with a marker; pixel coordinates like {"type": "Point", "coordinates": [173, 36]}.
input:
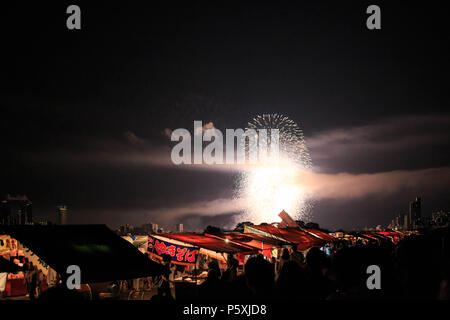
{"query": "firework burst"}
{"type": "Point", "coordinates": [271, 185]}
{"type": "Point", "coordinates": [291, 141]}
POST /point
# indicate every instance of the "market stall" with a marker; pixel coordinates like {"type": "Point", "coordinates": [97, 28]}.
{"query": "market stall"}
{"type": "Point", "coordinates": [11, 261]}
{"type": "Point", "coordinates": [198, 251]}
{"type": "Point", "coordinates": [393, 235]}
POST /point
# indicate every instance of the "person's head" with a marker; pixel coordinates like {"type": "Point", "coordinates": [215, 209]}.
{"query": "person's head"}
{"type": "Point", "coordinates": [350, 266]}
{"type": "Point", "coordinates": [232, 263]}
{"type": "Point", "coordinates": [294, 248]}
{"type": "Point", "coordinates": [292, 280]}
{"type": "Point", "coordinates": [166, 258]}
{"type": "Point", "coordinates": [300, 257]}
{"type": "Point", "coordinates": [213, 270]}
{"type": "Point", "coordinates": [259, 274]}
{"type": "Point", "coordinates": [285, 255]}
{"type": "Point", "coordinates": [315, 259]}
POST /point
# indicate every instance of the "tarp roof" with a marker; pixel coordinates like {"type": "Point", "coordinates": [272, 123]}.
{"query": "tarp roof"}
{"type": "Point", "coordinates": [99, 252]}
{"type": "Point", "coordinates": [394, 236]}
{"type": "Point", "coordinates": [368, 235]}
{"type": "Point", "coordinates": [375, 235]}
{"type": "Point", "coordinates": [210, 243]}
{"type": "Point", "coordinates": [322, 235]}
{"type": "Point", "coordinates": [304, 240]}
{"type": "Point", "coordinates": [249, 237]}
{"type": "Point", "coordinates": [389, 233]}
{"type": "Point", "coordinates": [361, 235]}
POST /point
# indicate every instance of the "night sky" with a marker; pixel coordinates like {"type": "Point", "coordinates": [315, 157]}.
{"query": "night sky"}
{"type": "Point", "coordinates": [84, 112]}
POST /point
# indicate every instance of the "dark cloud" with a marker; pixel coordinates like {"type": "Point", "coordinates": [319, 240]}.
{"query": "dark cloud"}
{"type": "Point", "coordinates": [407, 142]}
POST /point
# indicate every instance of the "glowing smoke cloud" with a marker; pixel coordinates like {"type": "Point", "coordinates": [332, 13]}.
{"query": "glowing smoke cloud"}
{"type": "Point", "coordinates": [271, 186]}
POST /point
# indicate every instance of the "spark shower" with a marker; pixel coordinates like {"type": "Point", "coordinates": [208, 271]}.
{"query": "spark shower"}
{"type": "Point", "coordinates": [272, 185]}
{"type": "Point", "coordinates": [271, 153]}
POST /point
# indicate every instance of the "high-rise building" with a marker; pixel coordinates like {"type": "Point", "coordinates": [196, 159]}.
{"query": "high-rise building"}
{"type": "Point", "coordinates": [415, 212]}
{"type": "Point", "coordinates": [397, 222]}
{"type": "Point", "coordinates": [180, 227]}
{"type": "Point", "coordinates": [406, 222]}
{"type": "Point", "coordinates": [150, 227]}
{"type": "Point", "coordinates": [16, 210]}
{"type": "Point", "coordinates": [125, 229]}
{"type": "Point", "coordinates": [62, 215]}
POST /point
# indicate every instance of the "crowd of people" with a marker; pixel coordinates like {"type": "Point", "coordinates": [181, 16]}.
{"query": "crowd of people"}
{"type": "Point", "coordinates": [34, 278]}
{"type": "Point", "coordinates": [416, 268]}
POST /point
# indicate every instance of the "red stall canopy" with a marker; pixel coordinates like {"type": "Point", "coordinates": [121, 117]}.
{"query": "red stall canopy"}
{"type": "Point", "coordinates": [301, 238]}
{"type": "Point", "coordinates": [375, 236]}
{"type": "Point", "coordinates": [322, 235]}
{"type": "Point", "coordinates": [248, 238]}
{"type": "Point", "coordinates": [395, 236]}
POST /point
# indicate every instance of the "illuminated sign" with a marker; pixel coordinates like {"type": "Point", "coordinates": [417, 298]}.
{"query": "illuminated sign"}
{"type": "Point", "coordinates": [180, 254]}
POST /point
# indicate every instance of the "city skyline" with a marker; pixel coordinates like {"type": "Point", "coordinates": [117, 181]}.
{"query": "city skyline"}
{"type": "Point", "coordinates": [413, 219]}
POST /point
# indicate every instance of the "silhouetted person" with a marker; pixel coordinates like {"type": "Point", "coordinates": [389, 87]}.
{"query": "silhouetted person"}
{"type": "Point", "coordinates": [285, 257]}
{"type": "Point", "coordinates": [26, 265]}
{"type": "Point", "coordinates": [350, 266]}
{"type": "Point", "coordinates": [31, 278]}
{"type": "Point", "coordinates": [212, 288]}
{"type": "Point", "coordinates": [292, 282]}
{"type": "Point", "coordinates": [260, 277]}
{"type": "Point", "coordinates": [164, 293]}
{"type": "Point", "coordinates": [230, 274]}
{"type": "Point", "coordinates": [419, 267]}
{"type": "Point", "coordinates": [297, 256]}
{"type": "Point", "coordinates": [273, 261]}
{"type": "Point", "coordinates": [319, 285]}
